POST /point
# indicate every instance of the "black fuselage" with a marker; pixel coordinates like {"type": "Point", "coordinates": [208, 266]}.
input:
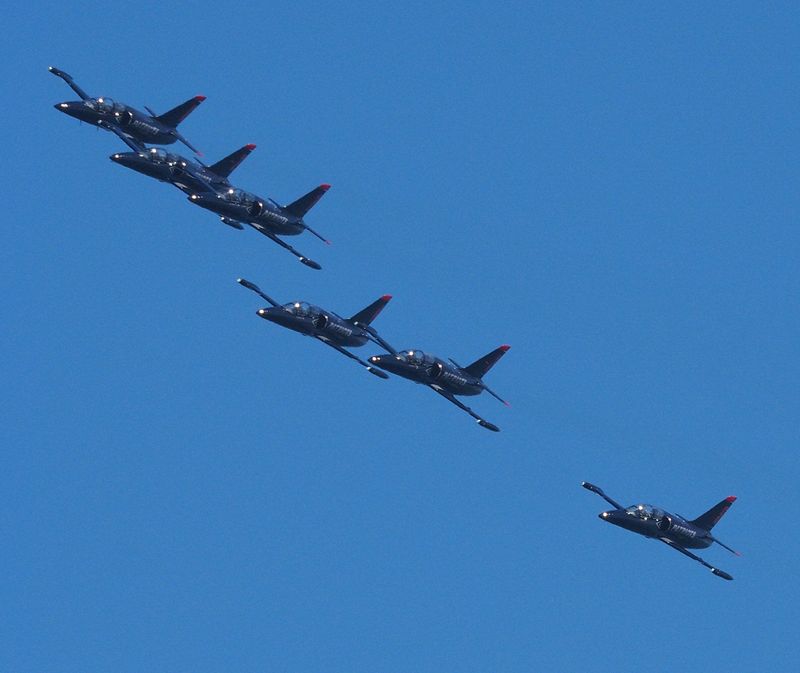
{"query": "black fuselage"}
{"type": "Point", "coordinates": [314, 321]}
{"type": "Point", "coordinates": [241, 206]}
{"type": "Point", "coordinates": [420, 367]}
{"type": "Point", "coordinates": [104, 113]}
{"type": "Point", "coordinates": [656, 523]}
{"type": "Point", "coordinates": [185, 174]}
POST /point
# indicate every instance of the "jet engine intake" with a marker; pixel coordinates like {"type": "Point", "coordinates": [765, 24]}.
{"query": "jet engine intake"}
{"type": "Point", "coordinates": [664, 524]}
{"type": "Point", "coordinates": [255, 208]}
{"type": "Point", "coordinates": [124, 118]}
{"type": "Point", "coordinates": [321, 321]}
{"type": "Point", "coordinates": [436, 370]}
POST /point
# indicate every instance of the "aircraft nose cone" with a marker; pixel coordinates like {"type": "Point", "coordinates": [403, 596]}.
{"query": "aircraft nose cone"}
{"type": "Point", "coordinates": [123, 159]}
{"type": "Point", "coordinates": [272, 314]}
{"type": "Point", "coordinates": [71, 109]}
{"type": "Point", "coordinates": [77, 110]}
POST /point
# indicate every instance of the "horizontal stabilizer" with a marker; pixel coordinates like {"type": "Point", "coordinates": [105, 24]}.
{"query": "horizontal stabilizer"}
{"type": "Point", "coordinates": [224, 167]}
{"type": "Point", "coordinates": [482, 365]}
{"type": "Point", "coordinates": [367, 315]}
{"type": "Point", "coordinates": [708, 520]}
{"type": "Point", "coordinates": [305, 203]}
{"type": "Point", "coordinates": [177, 114]}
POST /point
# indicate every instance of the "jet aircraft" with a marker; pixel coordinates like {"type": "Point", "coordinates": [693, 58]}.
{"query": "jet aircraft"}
{"type": "Point", "coordinates": [446, 378]}
{"type": "Point", "coordinates": [235, 206]}
{"type": "Point", "coordinates": [190, 176]}
{"type": "Point", "coordinates": [132, 126]}
{"type": "Point", "coordinates": [673, 530]}
{"type": "Point", "coordinates": [326, 326]}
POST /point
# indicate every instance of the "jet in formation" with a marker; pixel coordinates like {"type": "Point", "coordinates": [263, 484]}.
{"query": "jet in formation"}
{"type": "Point", "coordinates": [326, 326]}
{"type": "Point", "coordinates": [671, 529]}
{"type": "Point", "coordinates": [205, 186]}
{"type": "Point", "coordinates": [237, 207]}
{"type": "Point", "coordinates": [134, 128]}
{"type": "Point", "coordinates": [446, 378]}
{"type": "Point", "coordinates": [189, 175]}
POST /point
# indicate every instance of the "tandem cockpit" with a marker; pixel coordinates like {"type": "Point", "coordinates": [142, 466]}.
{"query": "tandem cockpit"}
{"type": "Point", "coordinates": [158, 156]}
{"type": "Point", "coordinates": [415, 357]}
{"type": "Point", "coordinates": [106, 105]}
{"type": "Point", "coordinates": [254, 204]}
{"type": "Point", "coordinates": [645, 512]}
{"type": "Point", "coordinates": [303, 309]}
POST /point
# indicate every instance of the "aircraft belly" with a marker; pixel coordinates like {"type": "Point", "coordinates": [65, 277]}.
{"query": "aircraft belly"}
{"type": "Point", "coordinates": [284, 229]}
{"type": "Point", "coordinates": [352, 341]}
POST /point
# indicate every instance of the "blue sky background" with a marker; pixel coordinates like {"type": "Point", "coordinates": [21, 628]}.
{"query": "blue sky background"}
{"type": "Point", "coordinates": [611, 188]}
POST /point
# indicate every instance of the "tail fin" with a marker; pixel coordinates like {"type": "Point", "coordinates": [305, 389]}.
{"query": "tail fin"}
{"type": "Point", "coordinates": [712, 516]}
{"type": "Point", "coordinates": [484, 364]}
{"type": "Point", "coordinates": [177, 114]}
{"type": "Point", "coordinates": [367, 315]}
{"type": "Point", "coordinates": [305, 203]}
{"type": "Point", "coordinates": [224, 167]}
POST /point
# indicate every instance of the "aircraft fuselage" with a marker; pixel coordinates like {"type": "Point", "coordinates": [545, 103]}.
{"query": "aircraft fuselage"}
{"type": "Point", "coordinates": [103, 112]}
{"type": "Point", "coordinates": [258, 212]}
{"type": "Point", "coordinates": [313, 321]}
{"type": "Point", "coordinates": [656, 523]}
{"type": "Point", "coordinates": [429, 370]}
{"type": "Point", "coordinates": [187, 175]}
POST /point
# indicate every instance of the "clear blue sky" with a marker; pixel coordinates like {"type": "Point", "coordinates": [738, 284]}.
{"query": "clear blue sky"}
{"type": "Point", "coordinates": [611, 188]}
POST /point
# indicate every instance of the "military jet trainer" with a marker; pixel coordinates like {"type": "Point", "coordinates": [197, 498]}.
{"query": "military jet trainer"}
{"type": "Point", "coordinates": [671, 529]}
{"type": "Point", "coordinates": [447, 379]}
{"type": "Point", "coordinates": [190, 176]}
{"type": "Point", "coordinates": [326, 326]}
{"type": "Point", "coordinates": [235, 206]}
{"type": "Point", "coordinates": [133, 127]}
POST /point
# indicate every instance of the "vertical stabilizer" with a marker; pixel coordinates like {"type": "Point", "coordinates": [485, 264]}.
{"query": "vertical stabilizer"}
{"type": "Point", "coordinates": [481, 366]}
{"type": "Point", "coordinates": [710, 519]}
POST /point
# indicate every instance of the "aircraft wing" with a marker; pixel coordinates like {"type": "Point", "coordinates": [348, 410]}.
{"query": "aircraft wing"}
{"type": "Point", "coordinates": [601, 493]}
{"type": "Point", "coordinates": [677, 547]}
{"type": "Point", "coordinates": [372, 370]}
{"type": "Point", "coordinates": [134, 144]}
{"type": "Point", "coordinates": [452, 398]}
{"type": "Point", "coordinates": [305, 260]}
{"type": "Point", "coordinates": [70, 82]}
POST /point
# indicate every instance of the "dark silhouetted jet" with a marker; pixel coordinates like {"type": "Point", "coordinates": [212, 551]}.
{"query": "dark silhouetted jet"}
{"type": "Point", "coordinates": [190, 176]}
{"type": "Point", "coordinates": [671, 529]}
{"type": "Point", "coordinates": [235, 206]}
{"type": "Point", "coordinates": [325, 326]}
{"type": "Point", "coordinates": [132, 126]}
{"type": "Point", "coordinates": [446, 378]}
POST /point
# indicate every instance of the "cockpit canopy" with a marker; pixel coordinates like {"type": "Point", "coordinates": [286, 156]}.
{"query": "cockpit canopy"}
{"type": "Point", "coordinates": [643, 511]}
{"type": "Point", "coordinates": [107, 105]}
{"type": "Point", "coordinates": [416, 357]}
{"type": "Point", "coordinates": [241, 196]}
{"type": "Point", "coordinates": [161, 156]}
{"type": "Point", "coordinates": [157, 155]}
{"type": "Point", "coordinates": [302, 309]}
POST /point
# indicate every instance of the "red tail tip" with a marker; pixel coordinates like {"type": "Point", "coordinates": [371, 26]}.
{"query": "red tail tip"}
{"type": "Point", "coordinates": [508, 404]}
{"type": "Point", "coordinates": [731, 498]}
{"type": "Point", "coordinates": [327, 242]}
{"type": "Point", "coordinates": [250, 147]}
{"type": "Point", "coordinates": [386, 297]}
{"type": "Point", "coordinates": [199, 99]}
{"type": "Point", "coordinates": [326, 187]}
{"type": "Point", "coordinates": [504, 347]}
